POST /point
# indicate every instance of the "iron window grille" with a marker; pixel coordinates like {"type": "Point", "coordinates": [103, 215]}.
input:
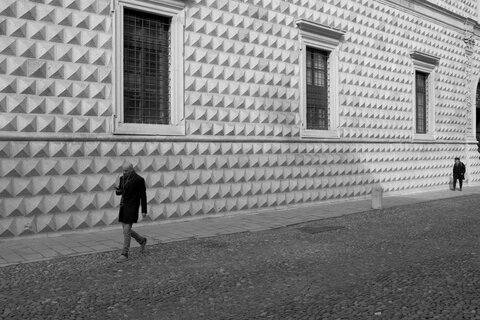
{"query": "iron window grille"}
{"type": "Point", "coordinates": [146, 68]}
{"type": "Point", "coordinates": [421, 101]}
{"type": "Point", "coordinates": [317, 89]}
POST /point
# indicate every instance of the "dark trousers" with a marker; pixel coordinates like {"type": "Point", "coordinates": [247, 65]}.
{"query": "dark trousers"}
{"type": "Point", "coordinates": [127, 234]}
{"type": "Point", "coordinates": [460, 182]}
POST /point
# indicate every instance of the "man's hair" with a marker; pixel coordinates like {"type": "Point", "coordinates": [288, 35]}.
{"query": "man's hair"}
{"type": "Point", "coordinates": [457, 158]}
{"type": "Point", "coordinates": [128, 165]}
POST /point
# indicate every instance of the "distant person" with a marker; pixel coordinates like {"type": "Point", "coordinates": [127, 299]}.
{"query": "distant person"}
{"type": "Point", "coordinates": [133, 192]}
{"type": "Point", "coordinates": [458, 173]}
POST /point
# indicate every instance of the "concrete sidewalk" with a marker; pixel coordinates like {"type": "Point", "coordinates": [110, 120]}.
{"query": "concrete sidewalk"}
{"type": "Point", "coordinates": [30, 249]}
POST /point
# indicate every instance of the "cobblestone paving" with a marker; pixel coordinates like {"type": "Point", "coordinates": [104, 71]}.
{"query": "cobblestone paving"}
{"type": "Point", "coordinates": [412, 262]}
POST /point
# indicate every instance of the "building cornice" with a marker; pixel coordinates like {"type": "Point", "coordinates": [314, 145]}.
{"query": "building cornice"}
{"type": "Point", "coordinates": [434, 12]}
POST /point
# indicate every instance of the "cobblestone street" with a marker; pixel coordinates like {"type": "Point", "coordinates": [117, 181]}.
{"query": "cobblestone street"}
{"type": "Point", "coordinates": [409, 262]}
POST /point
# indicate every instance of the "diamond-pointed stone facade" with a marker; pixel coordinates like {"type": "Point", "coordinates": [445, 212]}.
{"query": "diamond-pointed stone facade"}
{"type": "Point", "coordinates": [243, 148]}
{"type": "Point", "coordinates": [54, 49]}
{"type": "Point", "coordinates": [72, 191]}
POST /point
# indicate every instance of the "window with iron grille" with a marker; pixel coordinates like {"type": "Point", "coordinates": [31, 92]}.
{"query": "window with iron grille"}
{"type": "Point", "coordinates": [319, 86]}
{"type": "Point", "coordinates": [317, 89]}
{"type": "Point", "coordinates": [478, 111]}
{"type": "Point", "coordinates": [146, 68]}
{"type": "Point", "coordinates": [421, 101]}
{"type": "Point", "coordinates": [423, 95]}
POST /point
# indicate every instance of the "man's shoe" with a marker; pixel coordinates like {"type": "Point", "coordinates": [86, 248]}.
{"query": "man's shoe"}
{"type": "Point", "coordinates": [142, 245]}
{"type": "Point", "coordinates": [122, 258]}
{"type": "Point", "coordinates": [460, 189]}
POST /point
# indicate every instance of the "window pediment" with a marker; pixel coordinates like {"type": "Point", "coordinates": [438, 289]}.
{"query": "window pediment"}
{"type": "Point", "coordinates": [319, 29]}
{"type": "Point", "coordinates": [328, 37]}
{"type": "Point", "coordinates": [423, 61]}
{"type": "Point", "coordinates": [169, 6]}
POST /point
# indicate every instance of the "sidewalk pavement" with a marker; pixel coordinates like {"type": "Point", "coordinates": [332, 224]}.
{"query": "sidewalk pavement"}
{"type": "Point", "coordinates": [45, 247]}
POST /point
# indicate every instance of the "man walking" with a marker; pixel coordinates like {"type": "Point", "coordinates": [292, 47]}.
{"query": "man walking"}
{"type": "Point", "coordinates": [458, 173]}
{"type": "Point", "coordinates": [133, 192]}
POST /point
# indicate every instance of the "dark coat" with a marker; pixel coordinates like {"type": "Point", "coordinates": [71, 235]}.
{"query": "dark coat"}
{"type": "Point", "coordinates": [459, 171]}
{"type": "Point", "coordinates": [133, 194]}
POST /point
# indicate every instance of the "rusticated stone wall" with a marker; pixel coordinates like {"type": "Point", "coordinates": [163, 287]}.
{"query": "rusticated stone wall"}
{"type": "Point", "coordinates": [55, 67]}
{"type": "Point", "coordinates": [57, 186]}
{"type": "Point", "coordinates": [241, 63]}
{"type": "Point", "coordinates": [243, 150]}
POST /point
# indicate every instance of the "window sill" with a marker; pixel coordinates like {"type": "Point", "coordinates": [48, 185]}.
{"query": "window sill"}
{"type": "Point", "coordinates": [419, 137]}
{"type": "Point", "coordinates": [321, 134]}
{"type": "Point", "coordinates": [471, 139]}
{"type": "Point", "coordinates": [149, 129]}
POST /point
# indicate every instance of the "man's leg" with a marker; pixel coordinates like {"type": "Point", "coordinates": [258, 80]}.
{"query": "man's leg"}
{"type": "Point", "coordinates": [141, 240]}
{"type": "Point", "coordinates": [136, 236]}
{"type": "Point", "coordinates": [127, 233]}
{"type": "Point", "coordinates": [454, 182]}
{"type": "Point", "coordinates": [460, 183]}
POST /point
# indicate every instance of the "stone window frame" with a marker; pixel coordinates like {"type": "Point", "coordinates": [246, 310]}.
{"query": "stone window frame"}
{"type": "Point", "coordinates": [425, 63]}
{"type": "Point", "coordinates": [472, 135]}
{"type": "Point", "coordinates": [168, 8]}
{"type": "Point", "coordinates": [478, 13]}
{"type": "Point", "coordinates": [318, 36]}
